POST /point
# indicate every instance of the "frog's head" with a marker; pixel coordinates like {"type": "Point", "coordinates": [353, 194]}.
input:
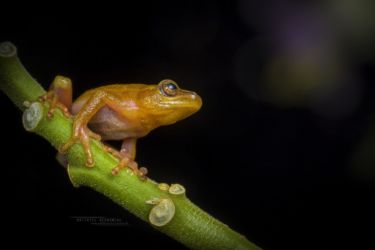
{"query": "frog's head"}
{"type": "Point", "coordinates": [167, 103]}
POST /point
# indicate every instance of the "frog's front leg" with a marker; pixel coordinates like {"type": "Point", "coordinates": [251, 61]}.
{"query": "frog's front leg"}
{"type": "Point", "coordinates": [59, 95]}
{"type": "Point", "coordinates": [81, 133]}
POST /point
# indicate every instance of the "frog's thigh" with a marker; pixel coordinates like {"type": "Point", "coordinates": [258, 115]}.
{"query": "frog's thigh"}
{"type": "Point", "coordinates": [62, 89]}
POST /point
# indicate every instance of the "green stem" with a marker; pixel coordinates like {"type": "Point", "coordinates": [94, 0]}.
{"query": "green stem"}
{"type": "Point", "coordinates": [190, 225]}
{"type": "Point", "coordinates": [16, 82]}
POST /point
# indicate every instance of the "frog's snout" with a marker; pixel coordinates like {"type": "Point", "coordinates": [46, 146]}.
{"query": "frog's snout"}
{"type": "Point", "coordinates": [197, 100]}
{"type": "Point", "coordinates": [191, 100]}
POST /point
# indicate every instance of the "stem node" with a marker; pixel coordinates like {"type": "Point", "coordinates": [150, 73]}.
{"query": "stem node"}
{"type": "Point", "coordinates": [7, 49]}
{"type": "Point", "coordinates": [32, 116]}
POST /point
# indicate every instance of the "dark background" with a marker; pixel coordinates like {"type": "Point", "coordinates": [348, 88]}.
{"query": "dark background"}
{"type": "Point", "coordinates": [281, 151]}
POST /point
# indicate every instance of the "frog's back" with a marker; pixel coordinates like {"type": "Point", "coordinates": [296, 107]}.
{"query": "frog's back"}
{"type": "Point", "coordinates": [120, 90]}
{"type": "Point", "coordinates": [117, 89]}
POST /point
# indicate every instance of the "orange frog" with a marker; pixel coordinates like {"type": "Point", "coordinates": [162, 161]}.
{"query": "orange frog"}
{"type": "Point", "coordinates": [120, 112]}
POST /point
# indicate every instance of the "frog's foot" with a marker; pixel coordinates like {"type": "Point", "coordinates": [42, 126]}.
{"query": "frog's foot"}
{"type": "Point", "coordinates": [52, 98]}
{"type": "Point", "coordinates": [83, 136]}
{"type": "Point", "coordinates": [126, 161]}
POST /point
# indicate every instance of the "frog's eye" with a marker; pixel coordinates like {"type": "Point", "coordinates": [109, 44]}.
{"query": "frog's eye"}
{"type": "Point", "coordinates": [168, 88]}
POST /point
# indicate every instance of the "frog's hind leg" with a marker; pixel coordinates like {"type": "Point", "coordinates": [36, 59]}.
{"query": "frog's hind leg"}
{"type": "Point", "coordinates": [59, 96]}
{"type": "Point", "coordinates": [127, 158]}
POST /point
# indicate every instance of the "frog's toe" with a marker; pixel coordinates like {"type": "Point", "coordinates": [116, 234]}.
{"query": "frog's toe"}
{"type": "Point", "coordinates": [115, 170]}
{"type": "Point", "coordinates": [142, 173]}
{"type": "Point", "coordinates": [93, 135]}
{"type": "Point", "coordinates": [125, 162]}
{"type": "Point", "coordinates": [122, 164]}
{"type": "Point", "coordinates": [73, 140]}
{"type": "Point", "coordinates": [63, 109]}
{"type": "Point", "coordinates": [133, 165]}
{"type": "Point", "coordinates": [90, 162]}
{"type": "Point", "coordinates": [112, 151]}
{"type": "Point", "coordinates": [46, 96]}
{"type": "Point", "coordinates": [84, 137]}
{"type": "Point", "coordinates": [53, 101]}
{"type": "Point", "coordinates": [86, 148]}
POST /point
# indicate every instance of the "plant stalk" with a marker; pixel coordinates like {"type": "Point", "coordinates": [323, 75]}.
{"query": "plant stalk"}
{"type": "Point", "coordinates": [190, 225]}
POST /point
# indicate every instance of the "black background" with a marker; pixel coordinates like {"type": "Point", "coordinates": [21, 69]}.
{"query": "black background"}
{"type": "Point", "coordinates": [279, 175]}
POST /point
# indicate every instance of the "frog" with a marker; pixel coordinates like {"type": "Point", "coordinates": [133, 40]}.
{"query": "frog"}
{"type": "Point", "coordinates": [119, 111]}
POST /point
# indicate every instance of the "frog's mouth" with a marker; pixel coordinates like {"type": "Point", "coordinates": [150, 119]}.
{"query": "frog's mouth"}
{"type": "Point", "coordinates": [184, 100]}
{"type": "Point", "coordinates": [177, 108]}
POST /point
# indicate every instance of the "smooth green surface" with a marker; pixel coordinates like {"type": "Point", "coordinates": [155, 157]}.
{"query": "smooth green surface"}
{"type": "Point", "coordinates": [191, 226]}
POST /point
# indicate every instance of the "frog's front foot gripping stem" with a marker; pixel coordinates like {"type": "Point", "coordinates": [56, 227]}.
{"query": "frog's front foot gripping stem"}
{"type": "Point", "coordinates": [82, 135]}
